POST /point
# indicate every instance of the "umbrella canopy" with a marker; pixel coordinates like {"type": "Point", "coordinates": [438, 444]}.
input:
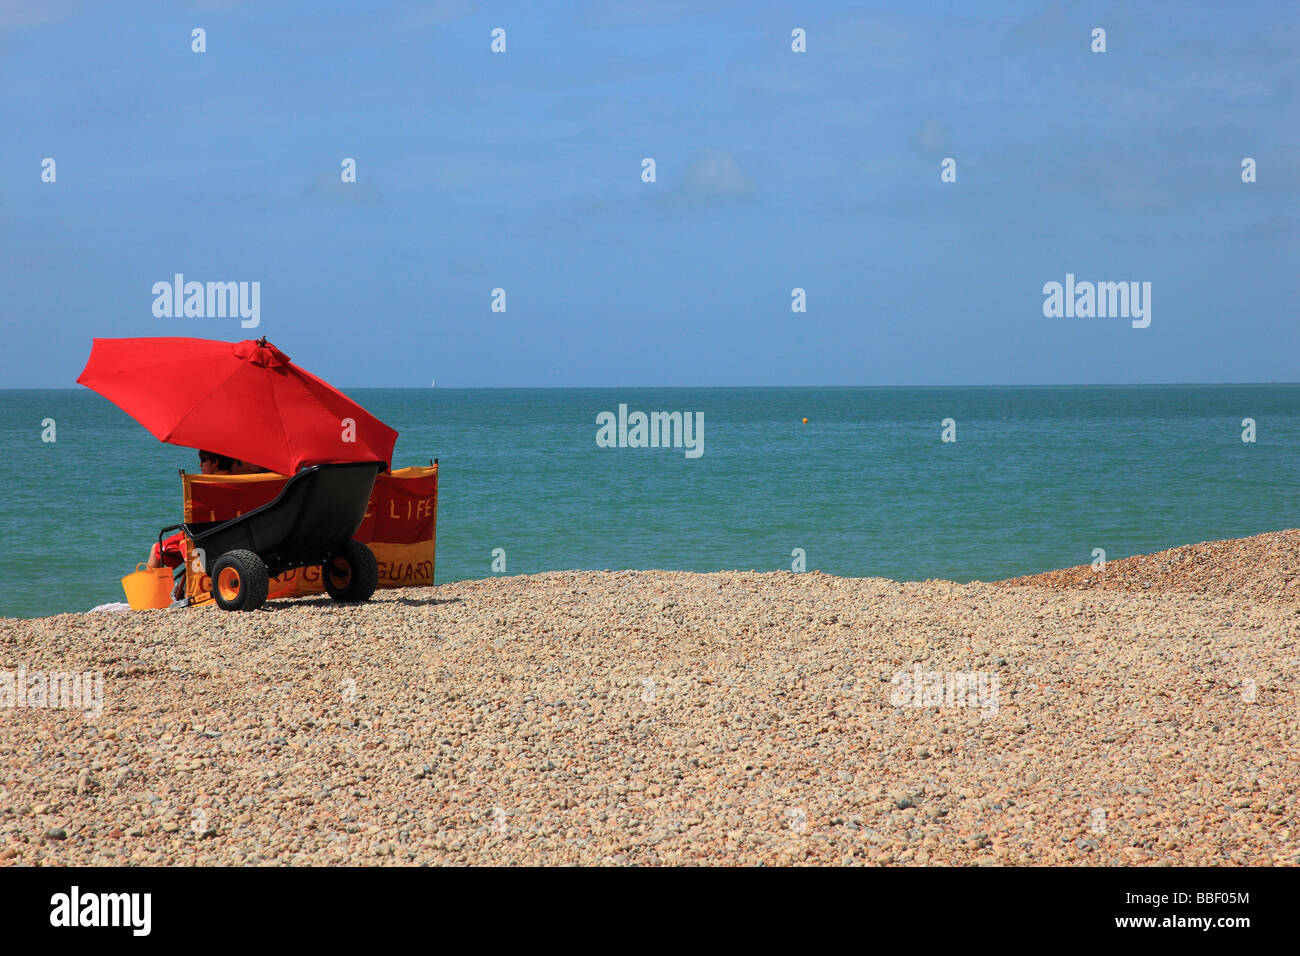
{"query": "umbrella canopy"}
{"type": "Point", "coordinates": [243, 400]}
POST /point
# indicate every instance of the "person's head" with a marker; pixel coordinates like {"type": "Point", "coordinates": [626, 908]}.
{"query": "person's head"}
{"type": "Point", "coordinates": [246, 468]}
{"type": "Point", "coordinates": [210, 463]}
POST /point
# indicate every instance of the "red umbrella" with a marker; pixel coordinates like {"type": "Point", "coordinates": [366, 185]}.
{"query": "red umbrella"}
{"type": "Point", "coordinates": [243, 400]}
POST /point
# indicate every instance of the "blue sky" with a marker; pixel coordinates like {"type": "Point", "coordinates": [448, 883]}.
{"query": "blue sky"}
{"type": "Point", "coordinates": [775, 170]}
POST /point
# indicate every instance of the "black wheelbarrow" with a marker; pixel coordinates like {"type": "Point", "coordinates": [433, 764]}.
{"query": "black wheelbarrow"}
{"type": "Point", "coordinates": [310, 523]}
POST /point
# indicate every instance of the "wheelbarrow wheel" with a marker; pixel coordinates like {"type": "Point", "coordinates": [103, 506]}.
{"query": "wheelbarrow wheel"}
{"type": "Point", "coordinates": [352, 575]}
{"type": "Point", "coordinates": [240, 581]}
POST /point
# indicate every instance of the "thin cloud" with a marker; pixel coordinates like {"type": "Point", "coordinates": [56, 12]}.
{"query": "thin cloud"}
{"type": "Point", "coordinates": [1277, 227]}
{"type": "Point", "coordinates": [717, 173]}
{"type": "Point", "coordinates": [932, 139]}
{"type": "Point", "coordinates": [32, 13]}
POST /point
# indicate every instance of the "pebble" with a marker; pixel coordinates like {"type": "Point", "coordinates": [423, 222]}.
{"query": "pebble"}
{"type": "Point", "coordinates": [643, 717]}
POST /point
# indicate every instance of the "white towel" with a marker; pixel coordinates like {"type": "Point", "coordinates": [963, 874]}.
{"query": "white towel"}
{"type": "Point", "coordinates": [115, 606]}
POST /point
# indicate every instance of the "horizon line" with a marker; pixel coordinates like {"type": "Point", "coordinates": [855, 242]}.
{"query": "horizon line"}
{"type": "Point", "coordinates": [498, 388]}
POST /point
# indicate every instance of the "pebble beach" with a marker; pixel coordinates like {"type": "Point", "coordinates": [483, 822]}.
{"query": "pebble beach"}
{"type": "Point", "coordinates": [1144, 713]}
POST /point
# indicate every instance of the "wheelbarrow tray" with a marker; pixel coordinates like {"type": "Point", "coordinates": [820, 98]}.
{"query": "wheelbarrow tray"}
{"type": "Point", "coordinates": [313, 517]}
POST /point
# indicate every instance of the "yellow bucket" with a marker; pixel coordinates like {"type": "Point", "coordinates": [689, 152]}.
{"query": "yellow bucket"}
{"type": "Point", "coordinates": [147, 589]}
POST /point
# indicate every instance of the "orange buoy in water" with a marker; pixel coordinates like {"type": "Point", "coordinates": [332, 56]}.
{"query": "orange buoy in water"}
{"type": "Point", "coordinates": [805, 421]}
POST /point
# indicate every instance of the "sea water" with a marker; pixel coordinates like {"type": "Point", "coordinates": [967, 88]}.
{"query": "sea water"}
{"type": "Point", "coordinates": [1036, 478]}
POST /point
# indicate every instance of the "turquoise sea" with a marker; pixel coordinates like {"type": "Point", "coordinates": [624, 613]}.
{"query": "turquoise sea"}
{"type": "Point", "coordinates": [1037, 478]}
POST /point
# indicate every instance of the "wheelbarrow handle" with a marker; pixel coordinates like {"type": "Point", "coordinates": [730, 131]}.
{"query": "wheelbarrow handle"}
{"type": "Point", "coordinates": [170, 527]}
